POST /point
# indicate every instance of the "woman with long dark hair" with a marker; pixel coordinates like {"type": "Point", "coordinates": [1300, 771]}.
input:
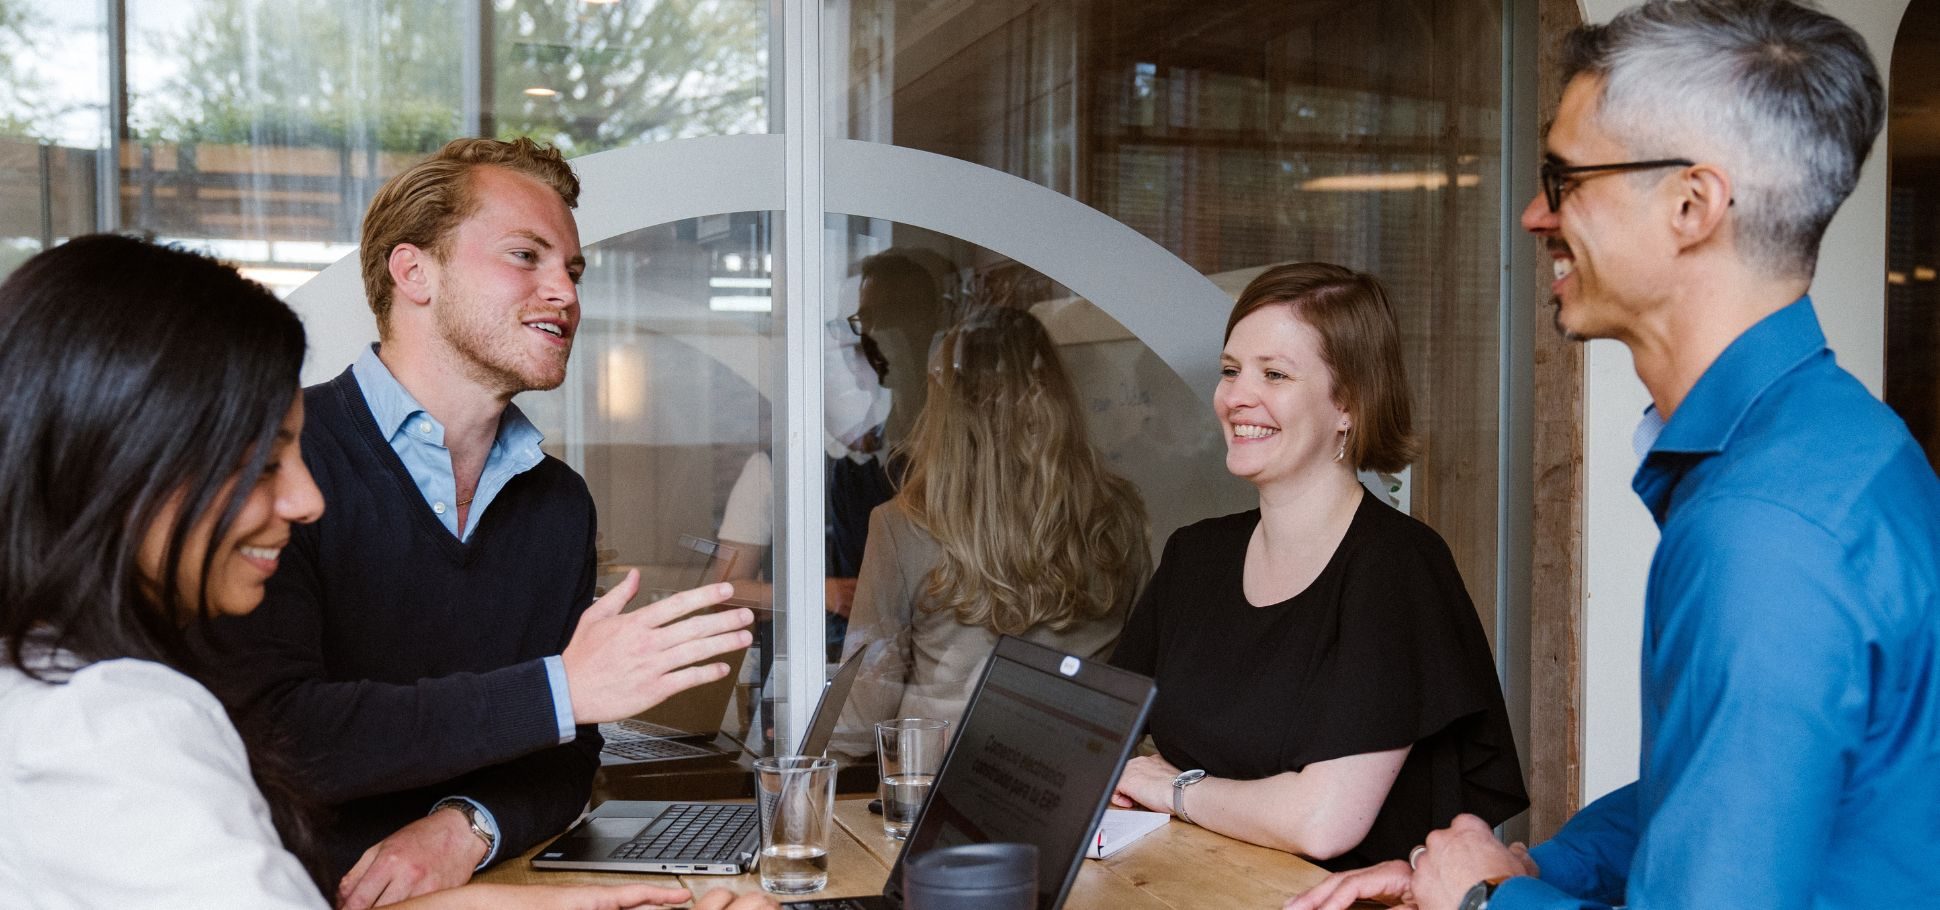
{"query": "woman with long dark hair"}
{"type": "Point", "coordinates": [149, 476]}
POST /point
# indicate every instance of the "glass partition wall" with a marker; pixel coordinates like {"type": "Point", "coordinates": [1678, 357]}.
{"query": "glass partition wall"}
{"type": "Point", "coordinates": [1235, 137]}
{"type": "Point", "coordinates": [1118, 169]}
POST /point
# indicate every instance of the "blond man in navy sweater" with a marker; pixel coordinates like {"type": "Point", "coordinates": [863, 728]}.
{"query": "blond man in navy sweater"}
{"type": "Point", "coordinates": [427, 652]}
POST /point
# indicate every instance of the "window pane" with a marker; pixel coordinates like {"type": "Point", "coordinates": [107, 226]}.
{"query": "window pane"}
{"type": "Point", "coordinates": [260, 130]}
{"type": "Point", "coordinates": [51, 121]}
{"type": "Point", "coordinates": [1239, 137]}
{"type": "Point", "coordinates": [666, 407]}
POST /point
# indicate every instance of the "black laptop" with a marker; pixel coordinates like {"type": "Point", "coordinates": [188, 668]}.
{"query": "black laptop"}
{"type": "Point", "coordinates": [1033, 762]}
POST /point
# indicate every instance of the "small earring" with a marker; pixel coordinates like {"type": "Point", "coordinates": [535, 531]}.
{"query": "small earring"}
{"type": "Point", "coordinates": [1343, 445]}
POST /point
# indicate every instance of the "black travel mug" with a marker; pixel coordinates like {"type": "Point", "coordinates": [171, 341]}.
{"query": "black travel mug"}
{"type": "Point", "coordinates": [972, 877]}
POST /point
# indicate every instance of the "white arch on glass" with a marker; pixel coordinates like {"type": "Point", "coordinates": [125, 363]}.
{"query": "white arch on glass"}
{"type": "Point", "coordinates": [1167, 304]}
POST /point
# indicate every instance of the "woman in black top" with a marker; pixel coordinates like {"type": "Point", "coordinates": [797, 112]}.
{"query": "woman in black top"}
{"type": "Point", "coordinates": [1318, 658]}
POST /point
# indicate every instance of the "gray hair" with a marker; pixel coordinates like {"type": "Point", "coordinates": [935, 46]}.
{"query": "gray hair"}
{"type": "Point", "coordinates": [1785, 98]}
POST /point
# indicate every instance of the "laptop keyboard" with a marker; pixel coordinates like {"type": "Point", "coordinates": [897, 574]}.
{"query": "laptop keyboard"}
{"type": "Point", "coordinates": [634, 727]}
{"type": "Point", "coordinates": [639, 740]}
{"type": "Point", "coordinates": [699, 831]}
{"type": "Point", "coordinates": [653, 749]}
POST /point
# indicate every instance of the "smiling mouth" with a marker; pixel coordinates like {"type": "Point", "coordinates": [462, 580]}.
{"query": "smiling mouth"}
{"type": "Point", "coordinates": [549, 328]}
{"type": "Point", "coordinates": [263, 558]}
{"type": "Point", "coordinates": [1561, 260]}
{"type": "Point", "coordinates": [1251, 431]}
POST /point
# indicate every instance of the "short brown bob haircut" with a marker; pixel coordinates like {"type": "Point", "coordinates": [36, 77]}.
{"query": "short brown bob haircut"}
{"type": "Point", "coordinates": [424, 203]}
{"type": "Point", "coordinates": [1361, 346]}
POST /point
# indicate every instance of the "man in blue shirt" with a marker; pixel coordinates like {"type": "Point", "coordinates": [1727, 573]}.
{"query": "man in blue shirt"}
{"type": "Point", "coordinates": [1791, 656]}
{"type": "Point", "coordinates": [427, 652]}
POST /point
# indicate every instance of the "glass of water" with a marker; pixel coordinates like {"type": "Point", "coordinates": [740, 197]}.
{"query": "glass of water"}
{"type": "Point", "coordinates": [796, 796]}
{"type": "Point", "coordinates": [909, 750]}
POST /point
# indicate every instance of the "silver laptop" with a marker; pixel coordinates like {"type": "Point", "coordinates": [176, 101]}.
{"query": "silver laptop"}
{"type": "Point", "coordinates": [689, 838]}
{"type": "Point", "coordinates": [688, 723]}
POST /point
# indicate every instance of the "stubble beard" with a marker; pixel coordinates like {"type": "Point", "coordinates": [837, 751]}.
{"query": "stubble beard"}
{"type": "Point", "coordinates": [492, 359]}
{"type": "Point", "coordinates": [1556, 321]}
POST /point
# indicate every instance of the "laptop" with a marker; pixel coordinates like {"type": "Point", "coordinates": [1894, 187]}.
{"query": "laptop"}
{"type": "Point", "coordinates": [688, 723]}
{"type": "Point", "coordinates": [705, 838]}
{"type": "Point", "coordinates": [1040, 744]}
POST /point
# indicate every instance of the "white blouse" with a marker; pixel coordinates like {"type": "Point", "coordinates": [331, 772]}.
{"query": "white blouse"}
{"type": "Point", "coordinates": [127, 786]}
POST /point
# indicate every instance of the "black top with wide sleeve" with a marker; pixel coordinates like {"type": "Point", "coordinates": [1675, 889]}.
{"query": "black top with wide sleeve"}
{"type": "Point", "coordinates": [1382, 650]}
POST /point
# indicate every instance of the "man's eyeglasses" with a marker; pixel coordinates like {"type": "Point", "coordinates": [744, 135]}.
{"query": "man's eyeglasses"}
{"type": "Point", "coordinates": [855, 323]}
{"type": "Point", "coordinates": [1557, 178]}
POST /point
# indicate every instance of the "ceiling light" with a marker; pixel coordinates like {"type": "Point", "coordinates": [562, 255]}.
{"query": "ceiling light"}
{"type": "Point", "coordinates": [1404, 180]}
{"type": "Point", "coordinates": [738, 304]}
{"type": "Point", "coordinates": [540, 91]}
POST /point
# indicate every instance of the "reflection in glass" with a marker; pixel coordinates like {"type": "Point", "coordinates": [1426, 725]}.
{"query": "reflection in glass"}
{"type": "Point", "coordinates": [1240, 136]}
{"type": "Point", "coordinates": [663, 411]}
{"type": "Point", "coordinates": [1006, 521]}
{"type": "Point", "coordinates": [1146, 425]}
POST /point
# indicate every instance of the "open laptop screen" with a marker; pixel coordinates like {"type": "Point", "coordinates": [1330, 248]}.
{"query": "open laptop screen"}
{"type": "Point", "coordinates": [1041, 743]}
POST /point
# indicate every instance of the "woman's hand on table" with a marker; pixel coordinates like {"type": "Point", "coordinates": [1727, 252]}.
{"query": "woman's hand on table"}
{"type": "Point", "coordinates": [1146, 781]}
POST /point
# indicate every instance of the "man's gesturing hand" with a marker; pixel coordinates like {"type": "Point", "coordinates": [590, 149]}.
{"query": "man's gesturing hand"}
{"type": "Point", "coordinates": [618, 665]}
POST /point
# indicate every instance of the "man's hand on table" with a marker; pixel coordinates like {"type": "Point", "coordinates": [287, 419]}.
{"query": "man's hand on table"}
{"type": "Point", "coordinates": [1453, 860]}
{"type": "Point", "coordinates": [1385, 882]}
{"type": "Point", "coordinates": [1146, 781]}
{"type": "Point", "coordinates": [1459, 856]}
{"type": "Point", "coordinates": [435, 852]}
{"type": "Point", "coordinates": [618, 665]}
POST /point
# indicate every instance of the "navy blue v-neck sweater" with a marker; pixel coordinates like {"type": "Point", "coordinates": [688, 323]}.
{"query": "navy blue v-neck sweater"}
{"type": "Point", "coordinates": [400, 665]}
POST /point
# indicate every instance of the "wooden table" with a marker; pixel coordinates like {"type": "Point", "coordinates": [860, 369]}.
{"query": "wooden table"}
{"type": "Point", "coordinates": [1177, 867]}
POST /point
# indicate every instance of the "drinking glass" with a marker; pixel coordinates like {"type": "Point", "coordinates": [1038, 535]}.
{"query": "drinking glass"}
{"type": "Point", "coordinates": [909, 750]}
{"type": "Point", "coordinates": [796, 795]}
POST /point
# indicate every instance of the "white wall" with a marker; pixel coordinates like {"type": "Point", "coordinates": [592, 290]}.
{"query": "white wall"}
{"type": "Point", "coordinates": [1850, 294]}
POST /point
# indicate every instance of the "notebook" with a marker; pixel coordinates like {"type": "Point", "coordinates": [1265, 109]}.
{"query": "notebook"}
{"type": "Point", "coordinates": [1033, 761]}
{"type": "Point", "coordinates": [1121, 827]}
{"type": "Point", "coordinates": [705, 838]}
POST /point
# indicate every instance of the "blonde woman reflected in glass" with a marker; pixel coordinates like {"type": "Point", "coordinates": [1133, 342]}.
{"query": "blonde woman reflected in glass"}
{"type": "Point", "coordinates": [1324, 686]}
{"type": "Point", "coordinates": [1007, 522]}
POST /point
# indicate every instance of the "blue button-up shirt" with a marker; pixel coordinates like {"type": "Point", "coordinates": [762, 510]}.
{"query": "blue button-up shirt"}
{"type": "Point", "coordinates": [419, 441]}
{"type": "Point", "coordinates": [1791, 655]}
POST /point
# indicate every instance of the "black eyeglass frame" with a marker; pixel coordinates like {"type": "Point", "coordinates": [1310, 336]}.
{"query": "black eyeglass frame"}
{"type": "Point", "coordinates": [1553, 174]}
{"type": "Point", "coordinates": [855, 323]}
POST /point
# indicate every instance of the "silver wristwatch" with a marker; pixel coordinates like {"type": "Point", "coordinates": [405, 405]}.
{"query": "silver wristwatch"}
{"type": "Point", "coordinates": [470, 812]}
{"type": "Point", "coordinates": [1179, 785]}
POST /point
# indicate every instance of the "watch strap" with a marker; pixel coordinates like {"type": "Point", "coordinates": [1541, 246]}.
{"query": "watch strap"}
{"type": "Point", "coordinates": [1479, 894]}
{"type": "Point", "coordinates": [1179, 785]}
{"type": "Point", "coordinates": [469, 809]}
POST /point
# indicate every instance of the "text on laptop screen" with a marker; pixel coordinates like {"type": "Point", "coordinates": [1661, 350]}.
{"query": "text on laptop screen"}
{"type": "Point", "coordinates": [1031, 739]}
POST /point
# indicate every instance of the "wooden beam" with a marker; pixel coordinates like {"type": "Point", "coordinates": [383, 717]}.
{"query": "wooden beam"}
{"type": "Point", "coordinates": [1556, 569]}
